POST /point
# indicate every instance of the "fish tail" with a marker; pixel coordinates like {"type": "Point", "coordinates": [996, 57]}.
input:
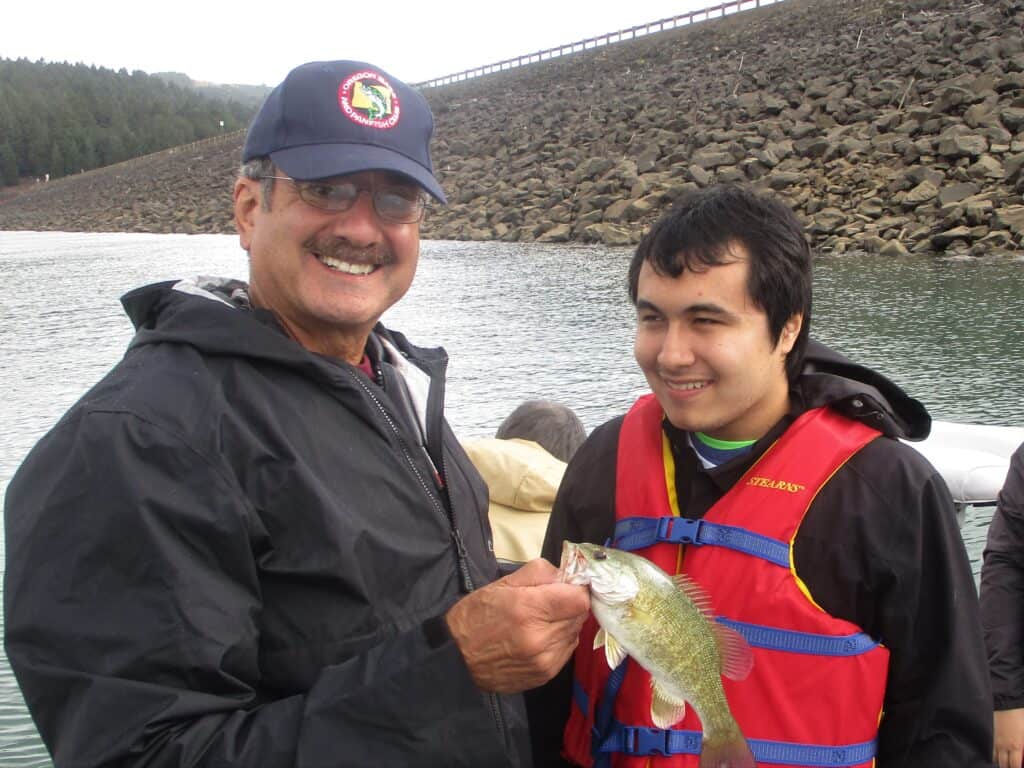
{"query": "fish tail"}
{"type": "Point", "coordinates": [726, 750]}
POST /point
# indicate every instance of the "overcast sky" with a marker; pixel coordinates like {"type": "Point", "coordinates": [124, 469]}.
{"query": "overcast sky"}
{"type": "Point", "coordinates": [258, 43]}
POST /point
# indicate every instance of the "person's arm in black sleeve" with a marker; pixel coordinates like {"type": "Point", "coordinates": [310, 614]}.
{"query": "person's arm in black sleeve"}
{"type": "Point", "coordinates": [132, 622]}
{"type": "Point", "coordinates": [1002, 614]}
{"type": "Point", "coordinates": [902, 574]}
{"type": "Point", "coordinates": [584, 510]}
{"type": "Point", "coordinates": [938, 695]}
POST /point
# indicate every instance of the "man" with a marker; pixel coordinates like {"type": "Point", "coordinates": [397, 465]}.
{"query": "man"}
{"type": "Point", "coordinates": [1002, 614]}
{"type": "Point", "coordinates": [257, 542]}
{"type": "Point", "coordinates": [829, 545]}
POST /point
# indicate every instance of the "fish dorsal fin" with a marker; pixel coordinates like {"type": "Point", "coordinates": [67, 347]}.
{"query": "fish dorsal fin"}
{"type": "Point", "coordinates": [734, 651]}
{"type": "Point", "coordinates": [694, 592]}
{"type": "Point", "coordinates": [614, 653]}
{"type": "Point", "coordinates": [666, 709]}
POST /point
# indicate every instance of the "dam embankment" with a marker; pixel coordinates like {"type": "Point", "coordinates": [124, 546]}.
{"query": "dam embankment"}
{"type": "Point", "coordinates": [888, 126]}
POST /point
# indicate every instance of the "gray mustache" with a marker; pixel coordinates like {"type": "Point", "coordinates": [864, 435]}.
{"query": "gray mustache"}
{"type": "Point", "coordinates": [339, 249]}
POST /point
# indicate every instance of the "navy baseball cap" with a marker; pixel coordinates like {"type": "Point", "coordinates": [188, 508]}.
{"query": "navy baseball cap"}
{"type": "Point", "coordinates": [330, 118]}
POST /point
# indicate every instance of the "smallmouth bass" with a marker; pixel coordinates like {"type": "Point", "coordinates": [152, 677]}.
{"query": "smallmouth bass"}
{"type": "Point", "coordinates": [665, 624]}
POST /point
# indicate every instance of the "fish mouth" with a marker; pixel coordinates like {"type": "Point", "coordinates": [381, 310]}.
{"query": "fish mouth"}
{"type": "Point", "coordinates": [568, 555]}
{"type": "Point", "coordinates": [572, 566]}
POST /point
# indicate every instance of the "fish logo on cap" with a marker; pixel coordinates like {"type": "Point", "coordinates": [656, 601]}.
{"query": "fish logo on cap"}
{"type": "Point", "coordinates": [368, 99]}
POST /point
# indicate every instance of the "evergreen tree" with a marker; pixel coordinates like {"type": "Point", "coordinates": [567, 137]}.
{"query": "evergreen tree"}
{"type": "Point", "coordinates": [60, 118]}
{"type": "Point", "coordinates": [56, 161]}
{"type": "Point", "coordinates": [8, 165]}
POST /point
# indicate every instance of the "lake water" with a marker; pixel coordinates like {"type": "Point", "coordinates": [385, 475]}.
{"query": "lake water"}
{"type": "Point", "coordinates": [519, 321]}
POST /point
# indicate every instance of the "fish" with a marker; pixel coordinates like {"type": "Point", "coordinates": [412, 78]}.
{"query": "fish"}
{"type": "Point", "coordinates": [665, 624]}
{"type": "Point", "coordinates": [376, 100]}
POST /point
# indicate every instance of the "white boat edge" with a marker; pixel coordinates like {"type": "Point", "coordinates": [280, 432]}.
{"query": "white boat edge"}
{"type": "Point", "coordinates": [973, 459]}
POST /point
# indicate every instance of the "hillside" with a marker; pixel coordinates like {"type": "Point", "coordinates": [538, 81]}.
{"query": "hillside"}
{"type": "Point", "coordinates": [250, 96]}
{"type": "Point", "coordinates": [892, 126]}
{"type": "Point", "coordinates": [58, 119]}
{"type": "Point", "coordinates": [186, 189]}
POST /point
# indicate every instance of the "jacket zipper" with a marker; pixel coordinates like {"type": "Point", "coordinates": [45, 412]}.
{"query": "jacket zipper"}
{"type": "Point", "coordinates": [461, 554]}
{"type": "Point", "coordinates": [460, 546]}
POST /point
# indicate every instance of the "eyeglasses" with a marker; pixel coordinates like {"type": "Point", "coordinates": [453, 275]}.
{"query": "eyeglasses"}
{"type": "Point", "coordinates": [398, 204]}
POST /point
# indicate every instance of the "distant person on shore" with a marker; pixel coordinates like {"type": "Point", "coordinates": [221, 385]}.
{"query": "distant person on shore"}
{"type": "Point", "coordinates": [1002, 614]}
{"type": "Point", "coordinates": [767, 469]}
{"type": "Point", "coordinates": [256, 542]}
{"type": "Point", "coordinates": [522, 466]}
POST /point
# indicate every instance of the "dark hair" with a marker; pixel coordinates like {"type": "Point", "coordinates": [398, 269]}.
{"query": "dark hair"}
{"type": "Point", "coordinates": [555, 427]}
{"type": "Point", "coordinates": [695, 235]}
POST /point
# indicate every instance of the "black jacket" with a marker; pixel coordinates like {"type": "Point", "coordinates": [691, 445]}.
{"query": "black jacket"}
{"type": "Point", "coordinates": [233, 552]}
{"type": "Point", "coordinates": [1002, 590]}
{"type": "Point", "coordinates": [879, 547]}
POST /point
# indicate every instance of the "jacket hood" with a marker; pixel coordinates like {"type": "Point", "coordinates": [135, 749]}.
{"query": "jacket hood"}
{"type": "Point", "coordinates": [519, 473]}
{"type": "Point", "coordinates": [860, 393]}
{"type": "Point", "coordinates": [214, 315]}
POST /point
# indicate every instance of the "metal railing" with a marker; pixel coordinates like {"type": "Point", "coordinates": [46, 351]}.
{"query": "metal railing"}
{"type": "Point", "coordinates": [683, 20]}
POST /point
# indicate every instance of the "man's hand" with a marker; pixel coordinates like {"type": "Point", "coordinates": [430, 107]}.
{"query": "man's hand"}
{"type": "Point", "coordinates": [1008, 751]}
{"type": "Point", "coordinates": [517, 633]}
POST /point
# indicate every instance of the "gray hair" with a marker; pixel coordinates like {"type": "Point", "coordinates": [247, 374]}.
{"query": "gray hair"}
{"type": "Point", "coordinates": [260, 168]}
{"type": "Point", "coordinates": [555, 427]}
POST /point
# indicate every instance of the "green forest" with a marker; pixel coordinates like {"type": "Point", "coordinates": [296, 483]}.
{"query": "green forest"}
{"type": "Point", "coordinates": [60, 119]}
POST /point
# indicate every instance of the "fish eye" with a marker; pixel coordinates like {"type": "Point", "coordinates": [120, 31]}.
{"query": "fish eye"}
{"type": "Point", "coordinates": [600, 554]}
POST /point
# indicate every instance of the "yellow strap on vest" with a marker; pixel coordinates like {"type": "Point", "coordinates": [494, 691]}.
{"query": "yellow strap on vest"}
{"type": "Point", "coordinates": [668, 461]}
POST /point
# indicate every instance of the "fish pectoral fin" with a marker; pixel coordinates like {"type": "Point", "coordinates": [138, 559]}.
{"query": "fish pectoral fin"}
{"type": "Point", "coordinates": [734, 651]}
{"type": "Point", "coordinates": [666, 709]}
{"type": "Point", "coordinates": [614, 653]}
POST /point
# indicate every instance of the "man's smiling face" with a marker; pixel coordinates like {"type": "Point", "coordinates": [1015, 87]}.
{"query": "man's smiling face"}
{"type": "Point", "coordinates": [327, 275]}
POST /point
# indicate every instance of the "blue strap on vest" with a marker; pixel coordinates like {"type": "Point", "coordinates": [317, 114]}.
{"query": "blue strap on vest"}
{"type": "Point", "coordinates": [639, 532]}
{"type": "Point", "coordinates": [603, 718]}
{"type": "Point", "coordinates": [639, 741]}
{"type": "Point", "coordinates": [610, 736]}
{"type": "Point", "coordinates": [579, 695]}
{"type": "Point", "coordinates": [801, 642]}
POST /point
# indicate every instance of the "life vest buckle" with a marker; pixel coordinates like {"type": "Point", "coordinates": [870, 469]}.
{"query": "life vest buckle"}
{"type": "Point", "coordinates": [679, 530]}
{"type": "Point", "coordinates": [637, 740]}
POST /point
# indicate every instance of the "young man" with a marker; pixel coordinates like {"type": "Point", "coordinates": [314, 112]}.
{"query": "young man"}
{"type": "Point", "coordinates": [257, 542]}
{"type": "Point", "coordinates": [766, 468]}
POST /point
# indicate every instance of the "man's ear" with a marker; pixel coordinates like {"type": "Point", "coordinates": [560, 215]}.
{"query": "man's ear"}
{"type": "Point", "coordinates": [789, 333]}
{"type": "Point", "coordinates": [247, 206]}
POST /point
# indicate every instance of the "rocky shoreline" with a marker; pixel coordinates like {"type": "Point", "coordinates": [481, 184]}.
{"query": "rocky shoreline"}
{"type": "Point", "coordinates": [890, 127]}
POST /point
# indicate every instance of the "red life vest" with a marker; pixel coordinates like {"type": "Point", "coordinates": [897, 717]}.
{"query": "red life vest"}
{"type": "Point", "coordinates": [815, 694]}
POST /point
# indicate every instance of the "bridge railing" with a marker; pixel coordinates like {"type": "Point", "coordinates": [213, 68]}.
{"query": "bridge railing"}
{"type": "Point", "coordinates": [683, 20]}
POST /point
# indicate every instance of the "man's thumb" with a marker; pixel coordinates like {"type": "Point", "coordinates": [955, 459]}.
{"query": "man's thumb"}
{"type": "Point", "coordinates": [532, 573]}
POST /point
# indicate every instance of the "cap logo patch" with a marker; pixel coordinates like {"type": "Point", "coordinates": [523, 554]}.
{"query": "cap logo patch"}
{"type": "Point", "coordinates": [368, 99]}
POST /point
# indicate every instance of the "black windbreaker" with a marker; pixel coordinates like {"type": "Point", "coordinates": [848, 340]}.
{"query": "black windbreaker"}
{"type": "Point", "coordinates": [234, 552]}
{"type": "Point", "coordinates": [879, 546]}
{"type": "Point", "coordinates": [1002, 590]}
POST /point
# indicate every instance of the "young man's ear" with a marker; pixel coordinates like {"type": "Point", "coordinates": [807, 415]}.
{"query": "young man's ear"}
{"type": "Point", "coordinates": [247, 205]}
{"type": "Point", "coordinates": [790, 331]}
